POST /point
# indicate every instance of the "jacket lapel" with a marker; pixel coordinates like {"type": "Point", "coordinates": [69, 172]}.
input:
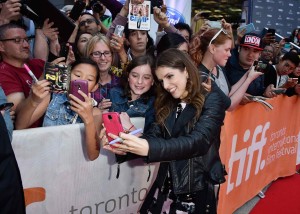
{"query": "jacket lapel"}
{"type": "Point", "coordinates": [173, 126]}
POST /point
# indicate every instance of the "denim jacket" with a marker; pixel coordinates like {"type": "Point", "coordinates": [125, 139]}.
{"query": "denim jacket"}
{"type": "Point", "coordinates": [137, 108]}
{"type": "Point", "coordinates": [59, 112]}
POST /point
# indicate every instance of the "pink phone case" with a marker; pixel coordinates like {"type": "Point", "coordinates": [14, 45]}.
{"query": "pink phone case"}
{"type": "Point", "coordinates": [112, 123]}
{"type": "Point", "coordinates": [79, 85]}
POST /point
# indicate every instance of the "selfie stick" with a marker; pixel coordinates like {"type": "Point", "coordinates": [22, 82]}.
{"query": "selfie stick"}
{"type": "Point", "coordinates": [120, 139]}
{"type": "Point", "coordinates": [30, 73]}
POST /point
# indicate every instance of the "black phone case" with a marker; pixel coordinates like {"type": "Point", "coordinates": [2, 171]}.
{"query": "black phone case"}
{"type": "Point", "coordinates": [77, 10]}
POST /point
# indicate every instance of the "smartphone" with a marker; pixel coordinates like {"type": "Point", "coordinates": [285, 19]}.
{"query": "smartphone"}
{"type": "Point", "coordinates": [81, 85]}
{"type": "Point", "coordinates": [119, 30]}
{"type": "Point", "coordinates": [293, 80]}
{"type": "Point", "coordinates": [279, 90]}
{"type": "Point", "coordinates": [77, 10]}
{"type": "Point", "coordinates": [112, 123]}
{"type": "Point", "coordinates": [287, 39]}
{"type": "Point", "coordinates": [64, 51]}
{"type": "Point", "coordinates": [249, 28]}
{"type": "Point", "coordinates": [6, 106]}
{"type": "Point", "coordinates": [272, 31]}
{"type": "Point", "coordinates": [215, 24]}
{"type": "Point", "coordinates": [260, 66]}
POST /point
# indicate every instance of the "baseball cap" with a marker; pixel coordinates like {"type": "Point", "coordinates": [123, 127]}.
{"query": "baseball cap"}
{"type": "Point", "coordinates": [252, 40]}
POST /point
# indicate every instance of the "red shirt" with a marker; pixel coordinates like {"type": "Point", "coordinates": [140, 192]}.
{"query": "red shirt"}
{"type": "Point", "coordinates": [13, 79]}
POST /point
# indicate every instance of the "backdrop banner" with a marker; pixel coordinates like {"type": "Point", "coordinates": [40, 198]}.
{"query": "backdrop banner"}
{"type": "Point", "coordinates": [257, 147]}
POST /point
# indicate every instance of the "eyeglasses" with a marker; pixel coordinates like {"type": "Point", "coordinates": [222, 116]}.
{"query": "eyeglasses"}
{"type": "Point", "coordinates": [217, 34]}
{"type": "Point", "coordinates": [88, 21]}
{"type": "Point", "coordinates": [98, 54]}
{"type": "Point", "coordinates": [18, 40]}
{"type": "Point", "coordinates": [268, 51]}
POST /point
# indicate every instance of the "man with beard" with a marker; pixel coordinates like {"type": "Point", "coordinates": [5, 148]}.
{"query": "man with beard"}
{"type": "Point", "coordinates": [15, 51]}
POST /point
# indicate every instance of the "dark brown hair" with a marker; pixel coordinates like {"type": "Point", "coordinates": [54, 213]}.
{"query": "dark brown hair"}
{"type": "Point", "coordinates": [138, 61]}
{"type": "Point", "coordinates": [165, 103]}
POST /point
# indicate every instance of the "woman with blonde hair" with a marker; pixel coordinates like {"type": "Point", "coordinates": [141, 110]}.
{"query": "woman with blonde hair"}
{"type": "Point", "coordinates": [99, 50]}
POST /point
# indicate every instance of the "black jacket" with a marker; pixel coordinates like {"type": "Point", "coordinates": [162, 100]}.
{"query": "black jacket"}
{"type": "Point", "coordinates": [11, 189]}
{"type": "Point", "coordinates": [189, 150]}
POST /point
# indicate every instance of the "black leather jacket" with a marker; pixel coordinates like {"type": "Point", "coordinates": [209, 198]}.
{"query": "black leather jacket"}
{"type": "Point", "coordinates": [190, 150]}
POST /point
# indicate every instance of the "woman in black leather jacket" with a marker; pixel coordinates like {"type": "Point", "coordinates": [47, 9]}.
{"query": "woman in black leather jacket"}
{"type": "Point", "coordinates": [185, 142]}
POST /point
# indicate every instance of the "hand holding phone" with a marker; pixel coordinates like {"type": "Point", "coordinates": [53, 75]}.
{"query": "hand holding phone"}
{"type": "Point", "coordinates": [81, 85]}
{"type": "Point", "coordinates": [279, 90]}
{"type": "Point", "coordinates": [119, 30]}
{"type": "Point", "coordinates": [260, 66]}
{"type": "Point", "coordinates": [112, 124]}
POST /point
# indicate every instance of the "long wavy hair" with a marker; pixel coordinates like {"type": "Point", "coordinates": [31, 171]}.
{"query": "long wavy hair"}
{"type": "Point", "coordinates": [199, 43]}
{"type": "Point", "coordinates": [165, 103]}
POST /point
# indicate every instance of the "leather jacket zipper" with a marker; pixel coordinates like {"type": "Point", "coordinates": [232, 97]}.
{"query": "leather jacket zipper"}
{"type": "Point", "coordinates": [167, 130]}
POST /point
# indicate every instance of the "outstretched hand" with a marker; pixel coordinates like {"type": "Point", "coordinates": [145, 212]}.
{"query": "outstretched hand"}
{"type": "Point", "coordinates": [130, 143]}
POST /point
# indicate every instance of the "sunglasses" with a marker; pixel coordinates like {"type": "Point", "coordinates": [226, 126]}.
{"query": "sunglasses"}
{"type": "Point", "coordinates": [217, 34]}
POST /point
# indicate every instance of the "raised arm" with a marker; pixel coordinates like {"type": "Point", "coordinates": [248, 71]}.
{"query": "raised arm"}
{"type": "Point", "coordinates": [34, 106]}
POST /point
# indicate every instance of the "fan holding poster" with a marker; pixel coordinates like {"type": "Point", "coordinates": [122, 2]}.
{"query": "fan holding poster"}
{"type": "Point", "coordinates": [139, 16]}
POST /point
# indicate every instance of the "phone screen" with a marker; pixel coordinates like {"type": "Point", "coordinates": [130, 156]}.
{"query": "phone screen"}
{"type": "Point", "coordinates": [6, 106]}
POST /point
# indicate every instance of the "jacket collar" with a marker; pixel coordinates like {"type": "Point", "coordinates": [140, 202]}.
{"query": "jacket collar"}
{"type": "Point", "coordinates": [174, 126]}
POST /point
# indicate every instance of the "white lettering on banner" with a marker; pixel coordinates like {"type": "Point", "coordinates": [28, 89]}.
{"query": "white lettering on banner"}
{"type": "Point", "coordinates": [252, 40]}
{"type": "Point", "coordinates": [281, 145]}
{"type": "Point", "coordinates": [256, 145]}
{"type": "Point", "coordinates": [112, 205]}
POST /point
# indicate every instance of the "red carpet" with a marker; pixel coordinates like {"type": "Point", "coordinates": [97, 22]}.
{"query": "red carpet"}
{"type": "Point", "coordinates": [282, 197]}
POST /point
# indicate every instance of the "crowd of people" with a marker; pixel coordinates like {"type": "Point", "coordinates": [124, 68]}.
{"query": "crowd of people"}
{"type": "Point", "coordinates": [182, 82]}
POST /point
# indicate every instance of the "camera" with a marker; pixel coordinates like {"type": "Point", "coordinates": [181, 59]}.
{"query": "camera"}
{"type": "Point", "coordinates": [260, 66]}
{"type": "Point", "coordinates": [24, 10]}
{"type": "Point", "coordinates": [96, 6]}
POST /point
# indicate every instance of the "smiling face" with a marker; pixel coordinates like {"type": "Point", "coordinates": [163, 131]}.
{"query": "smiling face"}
{"type": "Point", "coordinates": [221, 53]}
{"type": "Point", "coordinates": [173, 80]}
{"type": "Point", "coordinates": [85, 72]}
{"type": "Point", "coordinates": [285, 67]}
{"type": "Point", "coordinates": [104, 62]}
{"type": "Point", "coordinates": [268, 53]}
{"type": "Point", "coordinates": [140, 80]}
